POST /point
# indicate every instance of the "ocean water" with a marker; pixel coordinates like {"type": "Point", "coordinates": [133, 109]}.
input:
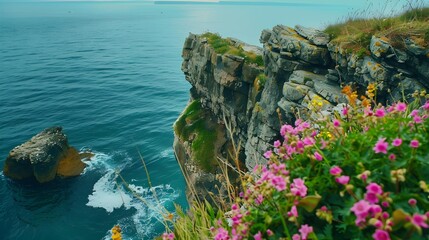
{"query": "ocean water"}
{"type": "Point", "coordinates": [109, 73]}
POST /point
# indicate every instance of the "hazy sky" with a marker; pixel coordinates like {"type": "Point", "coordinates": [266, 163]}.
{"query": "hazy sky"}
{"type": "Point", "coordinates": [356, 4]}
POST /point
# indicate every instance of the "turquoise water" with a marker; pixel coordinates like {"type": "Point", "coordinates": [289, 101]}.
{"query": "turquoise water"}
{"type": "Point", "coordinates": [109, 73]}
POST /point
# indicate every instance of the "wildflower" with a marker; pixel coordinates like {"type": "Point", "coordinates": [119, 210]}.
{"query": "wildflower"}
{"type": "Point", "coordinates": [380, 112]}
{"type": "Point", "coordinates": [309, 141]}
{"type": "Point", "coordinates": [361, 209]}
{"type": "Point", "coordinates": [279, 183]}
{"type": "Point", "coordinates": [277, 144]}
{"type": "Point", "coordinates": [424, 186]}
{"type": "Point", "coordinates": [381, 146]}
{"type": "Point", "coordinates": [374, 188]}
{"type": "Point", "coordinates": [270, 233]}
{"type": "Point", "coordinates": [419, 220]}
{"type": "Point", "coordinates": [259, 199]}
{"type": "Point", "coordinates": [414, 113]}
{"type": "Point", "coordinates": [296, 237]}
{"type": "Point", "coordinates": [401, 107]}
{"type": "Point", "coordinates": [324, 213]}
{"type": "Point", "coordinates": [398, 175]}
{"type": "Point", "coordinates": [418, 119]}
{"type": "Point", "coordinates": [414, 143]}
{"type": "Point", "coordinates": [426, 106]}
{"type": "Point", "coordinates": [293, 212]}
{"type": "Point", "coordinates": [305, 230]}
{"type": "Point", "coordinates": [345, 111]}
{"type": "Point", "coordinates": [336, 123]}
{"type": "Point", "coordinates": [392, 157]}
{"type": "Point", "coordinates": [258, 236]}
{"type": "Point", "coordinates": [343, 180]}
{"type": "Point", "coordinates": [318, 156]}
{"type": "Point", "coordinates": [268, 154]}
{"type": "Point", "coordinates": [381, 235]}
{"type": "Point", "coordinates": [412, 202]}
{"type": "Point", "coordinates": [168, 236]}
{"type": "Point", "coordinates": [222, 234]}
{"type": "Point", "coordinates": [335, 171]}
{"type": "Point", "coordinates": [397, 142]}
{"type": "Point", "coordinates": [298, 188]}
{"type": "Point", "coordinates": [371, 197]}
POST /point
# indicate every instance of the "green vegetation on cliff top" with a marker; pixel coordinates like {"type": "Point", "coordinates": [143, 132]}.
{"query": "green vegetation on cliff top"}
{"type": "Point", "coordinates": [225, 46]}
{"type": "Point", "coordinates": [195, 125]}
{"type": "Point", "coordinates": [355, 33]}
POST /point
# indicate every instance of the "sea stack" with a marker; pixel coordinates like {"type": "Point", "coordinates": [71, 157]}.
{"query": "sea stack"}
{"type": "Point", "coordinates": [43, 157]}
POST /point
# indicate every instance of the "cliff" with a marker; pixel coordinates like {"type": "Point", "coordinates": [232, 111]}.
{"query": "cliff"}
{"type": "Point", "coordinates": [302, 69]}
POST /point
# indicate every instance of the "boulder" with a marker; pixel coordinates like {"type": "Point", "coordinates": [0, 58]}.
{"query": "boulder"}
{"type": "Point", "coordinates": [43, 157]}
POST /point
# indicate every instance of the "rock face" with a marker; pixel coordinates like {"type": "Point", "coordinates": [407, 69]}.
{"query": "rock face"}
{"type": "Point", "coordinates": [43, 157]}
{"type": "Point", "coordinates": [302, 66]}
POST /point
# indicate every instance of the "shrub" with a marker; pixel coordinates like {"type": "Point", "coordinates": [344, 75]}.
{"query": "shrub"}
{"type": "Point", "coordinates": [362, 173]}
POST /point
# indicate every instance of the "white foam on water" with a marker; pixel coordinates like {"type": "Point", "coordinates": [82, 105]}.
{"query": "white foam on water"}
{"type": "Point", "coordinates": [167, 152]}
{"type": "Point", "coordinates": [107, 195]}
{"type": "Point", "coordinates": [111, 194]}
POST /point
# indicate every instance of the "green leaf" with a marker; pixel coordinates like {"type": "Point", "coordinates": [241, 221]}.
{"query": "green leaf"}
{"type": "Point", "coordinates": [309, 203]}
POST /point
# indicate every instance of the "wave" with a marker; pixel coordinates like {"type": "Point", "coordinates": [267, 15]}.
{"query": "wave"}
{"type": "Point", "coordinates": [112, 194]}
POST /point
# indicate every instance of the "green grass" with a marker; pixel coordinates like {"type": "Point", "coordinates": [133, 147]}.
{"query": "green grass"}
{"type": "Point", "coordinates": [225, 46]}
{"type": "Point", "coordinates": [356, 33]}
{"type": "Point", "coordinates": [195, 125]}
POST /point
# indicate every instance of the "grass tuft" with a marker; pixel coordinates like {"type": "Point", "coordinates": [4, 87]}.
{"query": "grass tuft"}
{"type": "Point", "coordinates": [225, 46]}
{"type": "Point", "coordinates": [355, 33]}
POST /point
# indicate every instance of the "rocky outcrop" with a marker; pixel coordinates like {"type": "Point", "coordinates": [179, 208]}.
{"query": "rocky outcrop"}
{"type": "Point", "coordinates": [302, 67]}
{"type": "Point", "coordinates": [43, 157]}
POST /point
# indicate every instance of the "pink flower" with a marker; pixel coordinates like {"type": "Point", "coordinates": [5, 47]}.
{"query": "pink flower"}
{"type": "Point", "coordinates": [374, 188]}
{"type": "Point", "coordinates": [419, 220]}
{"type": "Point", "coordinates": [293, 212]}
{"type": "Point", "coordinates": [426, 106]}
{"type": "Point", "coordinates": [418, 119]}
{"type": "Point", "coordinates": [343, 180]}
{"type": "Point", "coordinates": [296, 237]}
{"type": "Point", "coordinates": [222, 234]}
{"type": "Point", "coordinates": [414, 113]}
{"type": "Point", "coordinates": [318, 156]}
{"type": "Point", "coordinates": [168, 236]}
{"type": "Point", "coordinates": [298, 188]}
{"type": "Point", "coordinates": [268, 154]}
{"type": "Point", "coordinates": [309, 141]}
{"type": "Point", "coordinates": [277, 144]}
{"type": "Point", "coordinates": [361, 209]}
{"type": "Point", "coordinates": [305, 230]}
{"type": "Point", "coordinates": [371, 197]}
{"type": "Point", "coordinates": [279, 183]}
{"type": "Point", "coordinates": [335, 171]}
{"type": "Point", "coordinates": [259, 199]}
{"type": "Point", "coordinates": [392, 157]}
{"type": "Point", "coordinates": [381, 146]}
{"type": "Point", "coordinates": [270, 233]}
{"type": "Point", "coordinates": [336, 123]}
{"type": "Point", "coordinates": [397, 142]}
{"type": "Point", "coordinates": [380, 112]}
{"type": "Point", "coordinates": [381, 235]}
{"type": "Point", "coordinates": [401, 107]}
{"type": "Point", "coordinates": [412, 202]}
{"type": "Point", "coordinates": [345, 111]}
{"type": "Point", "coordinates": [414, 143]}
{"type": "Point", "coordinates": [258, 236]}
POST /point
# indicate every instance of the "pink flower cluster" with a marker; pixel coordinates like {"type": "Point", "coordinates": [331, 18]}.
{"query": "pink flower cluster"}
{"type": "Point", "coordinates": [336, 171]}
{"type": "Point", "coordinates": [168, 236]}
{"type": "Point", "coordinates": [305, 230]}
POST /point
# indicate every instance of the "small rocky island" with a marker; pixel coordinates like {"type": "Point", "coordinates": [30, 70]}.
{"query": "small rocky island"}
{"type": "Point", "coordinates": [43, 157]}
